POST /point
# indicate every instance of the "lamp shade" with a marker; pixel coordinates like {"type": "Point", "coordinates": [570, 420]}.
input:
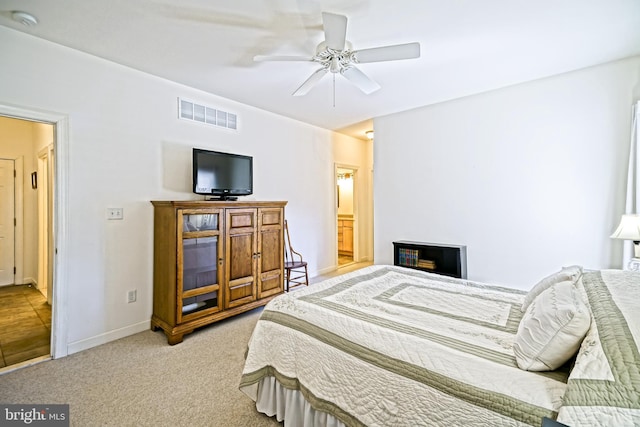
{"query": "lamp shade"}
{"type": "Point", "coordinates": [629, 228]}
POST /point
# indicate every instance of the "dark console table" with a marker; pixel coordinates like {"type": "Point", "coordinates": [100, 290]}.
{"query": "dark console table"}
{"type": "Point", "coordinates": [449, 260]}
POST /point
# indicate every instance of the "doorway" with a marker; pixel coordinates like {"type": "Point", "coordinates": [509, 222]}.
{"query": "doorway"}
{"type": "Point", "coordinates": [346, 214]}
{"type": "Point", "coordinates": [27, 295]}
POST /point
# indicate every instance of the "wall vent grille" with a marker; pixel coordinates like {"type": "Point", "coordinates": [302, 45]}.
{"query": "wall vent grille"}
{"type": "Point", "coordinates": [189, 110]}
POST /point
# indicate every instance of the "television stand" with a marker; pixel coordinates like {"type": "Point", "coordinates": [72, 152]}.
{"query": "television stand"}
{"type": "Point", "coordinates": [224, 198]}
{"type": "Point", "coordinates": [214, 260]}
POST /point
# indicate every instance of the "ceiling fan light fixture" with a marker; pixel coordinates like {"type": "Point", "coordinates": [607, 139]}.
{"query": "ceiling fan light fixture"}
{"type": "Point", "coordinates": [26, 19]}
{"type": "Point", "coordinates": [335, 65]}
{"type": "Point", "coordinates": [336, 55]}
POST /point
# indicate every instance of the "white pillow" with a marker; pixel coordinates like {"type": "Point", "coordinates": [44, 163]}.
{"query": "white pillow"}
{"type": "Point", "coordinates": [571, 273]}
{"type": "Point", "coordinates": [552, 328]}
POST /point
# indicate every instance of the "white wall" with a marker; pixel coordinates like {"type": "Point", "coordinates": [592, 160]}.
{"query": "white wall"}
{"type": "Point", "coordinates": [530, 177]}
{"type": "Point", "coordinates": [42, 138]}
{"type": "Point", "coordinates": [127, 147]}
{"type": "Point", "coordinates": [19, 140]}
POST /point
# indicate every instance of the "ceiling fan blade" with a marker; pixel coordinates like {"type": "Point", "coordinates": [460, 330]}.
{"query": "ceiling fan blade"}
{"type": "Point", "coordinates": [335, 30]}
{"type": "Point", "coordinates": [264, 58]}
{"type": "Point", "coordinates": [310, 82]}
{"type": "Point", "coordinates": [388, 53]}
{"type": "Point", "coordinates": [361, 80]}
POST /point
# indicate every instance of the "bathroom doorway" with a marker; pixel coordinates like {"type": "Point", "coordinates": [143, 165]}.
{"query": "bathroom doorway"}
{"type": "Point", "coordinates": [346, 214]}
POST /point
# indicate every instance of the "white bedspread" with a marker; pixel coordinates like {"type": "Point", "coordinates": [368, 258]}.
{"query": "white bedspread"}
{"type": "Point", "coordinates": [390, 346]}
{"type": "Point", "coordinates": [604, 385]}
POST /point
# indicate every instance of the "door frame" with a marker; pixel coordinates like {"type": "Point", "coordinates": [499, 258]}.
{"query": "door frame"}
{"type": "Point", "coordinates": [45, 215]}
{"type": "Point", "coordinates": [59, 327]}
{"type": "Point", "coordinates": [356, 203]}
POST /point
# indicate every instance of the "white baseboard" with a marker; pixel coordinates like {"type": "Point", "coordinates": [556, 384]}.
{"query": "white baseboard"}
{"type": "Point", "coordinates": [327, 270]}
{"type": "Point", "coordinates": [88, 343]}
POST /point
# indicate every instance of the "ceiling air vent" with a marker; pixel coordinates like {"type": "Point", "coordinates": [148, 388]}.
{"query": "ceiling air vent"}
{"type": "Point", "coordinates": [201, 113]}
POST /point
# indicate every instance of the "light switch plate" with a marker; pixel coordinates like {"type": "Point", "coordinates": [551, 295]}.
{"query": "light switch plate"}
{"type": "Point", "coordinates": [115, 213]}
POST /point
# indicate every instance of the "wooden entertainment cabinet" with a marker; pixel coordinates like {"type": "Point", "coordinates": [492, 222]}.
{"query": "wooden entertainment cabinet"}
{"type": "Point", "coordinates": [213, 260]}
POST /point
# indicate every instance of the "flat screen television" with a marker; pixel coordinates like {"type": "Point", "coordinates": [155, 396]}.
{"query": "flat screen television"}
{"type": "Point", "coordinates": [222, 175]}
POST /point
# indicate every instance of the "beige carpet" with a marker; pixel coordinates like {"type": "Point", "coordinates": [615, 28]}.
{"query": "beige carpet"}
{"type": "Point", "coordinates": [142, 381]}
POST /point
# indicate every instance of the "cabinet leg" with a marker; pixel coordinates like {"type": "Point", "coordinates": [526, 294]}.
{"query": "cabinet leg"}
{"type": "Point", "coordinates": [175, 339]}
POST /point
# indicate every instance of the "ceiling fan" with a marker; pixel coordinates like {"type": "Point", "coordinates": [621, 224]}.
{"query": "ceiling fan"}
{"type": "Point", "coordinates": [335, 55]}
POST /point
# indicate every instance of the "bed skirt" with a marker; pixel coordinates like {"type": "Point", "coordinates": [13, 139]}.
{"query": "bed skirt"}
{"type": "Point", "coordinates": [273, 399]}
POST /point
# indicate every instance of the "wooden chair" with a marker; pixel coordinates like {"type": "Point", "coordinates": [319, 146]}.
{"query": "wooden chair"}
{"type": "Point", "coordinates": [295, 267]}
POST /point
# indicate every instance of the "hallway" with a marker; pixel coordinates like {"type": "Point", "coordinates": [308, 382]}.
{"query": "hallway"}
{"type": "Point", "coordinates": [25, 324]}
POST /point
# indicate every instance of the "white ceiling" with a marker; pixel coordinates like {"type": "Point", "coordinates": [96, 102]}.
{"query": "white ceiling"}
{"type": "Point", "coordinates": [468, 46]}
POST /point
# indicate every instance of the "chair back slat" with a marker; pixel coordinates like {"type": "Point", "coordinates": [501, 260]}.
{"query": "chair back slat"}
{"type": "Point", "coordinates": [288, 255]}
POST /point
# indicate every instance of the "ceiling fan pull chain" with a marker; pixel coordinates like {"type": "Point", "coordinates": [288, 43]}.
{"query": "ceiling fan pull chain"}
{"type": "Point", "coordinates": [334, 90]}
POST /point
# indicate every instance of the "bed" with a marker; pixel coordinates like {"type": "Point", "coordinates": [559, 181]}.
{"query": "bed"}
{"type": "Point", "coordinates": [391, 346]}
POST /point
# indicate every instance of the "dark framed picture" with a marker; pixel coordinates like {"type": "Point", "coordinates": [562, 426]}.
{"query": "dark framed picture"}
{"type": "Point", "coordinates": [34, 180]}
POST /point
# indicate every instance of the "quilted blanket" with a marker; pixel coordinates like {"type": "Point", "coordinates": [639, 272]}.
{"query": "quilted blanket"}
{"type": "Point", "coordinates": [390, 346]}
{"type": "Point", "coordinates": [604, 386]}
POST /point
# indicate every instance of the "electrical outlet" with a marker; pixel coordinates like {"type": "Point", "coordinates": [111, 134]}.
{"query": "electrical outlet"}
{"type": "Point", "coordinates": [132, 295]}
{"type": "Point", "coordinates": [115, 213]}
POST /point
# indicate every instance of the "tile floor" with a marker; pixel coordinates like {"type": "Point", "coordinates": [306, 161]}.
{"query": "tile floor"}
{"type": "Point", "coordinates": [25, 324]}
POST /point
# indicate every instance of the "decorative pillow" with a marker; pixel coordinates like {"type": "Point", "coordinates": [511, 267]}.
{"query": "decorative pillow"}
{"type": "Point", "coordinates": [571, 273]}
{"type": "Point", "coordinates": [552, 328]}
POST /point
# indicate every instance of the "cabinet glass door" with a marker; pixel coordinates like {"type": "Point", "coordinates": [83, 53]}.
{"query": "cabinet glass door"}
{"type": "Point", "coordinates": [199, 275]}
{"type": "Point", "coordinates": [192, 222]}
{"type": "Point", "coordinates": [200, 271]}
